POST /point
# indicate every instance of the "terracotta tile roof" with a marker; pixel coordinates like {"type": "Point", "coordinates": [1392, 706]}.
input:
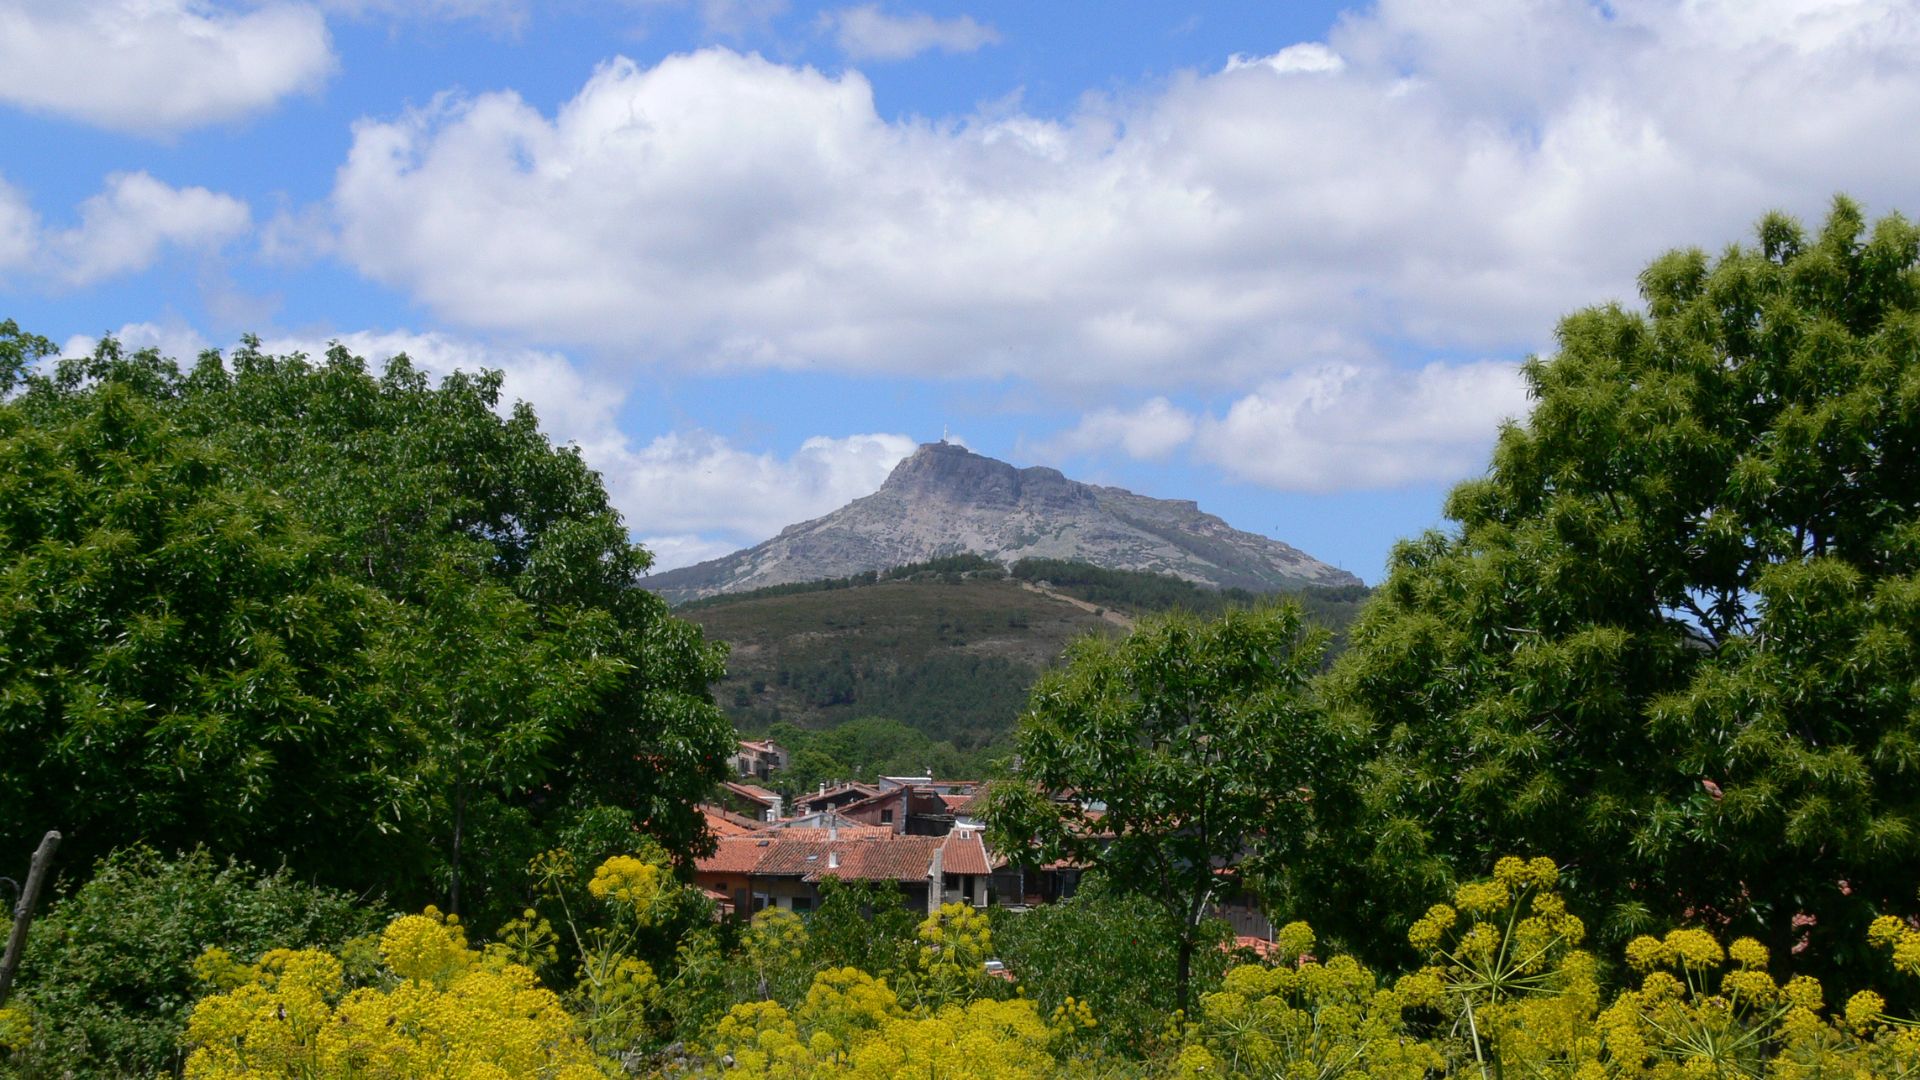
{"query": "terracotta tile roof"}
{"type": "Point", "coordinates": [963, 853]}
{"type": "Point", "coordinates": [753, 791]}
{"type": "Point", "coordinates": [735, 855]}
{"type": "Point", "coordinates": [959, 804]}
{"type": "Point", "coordinates": [724, 822]}
{"type": "Point", "coordinates": [895, 858]}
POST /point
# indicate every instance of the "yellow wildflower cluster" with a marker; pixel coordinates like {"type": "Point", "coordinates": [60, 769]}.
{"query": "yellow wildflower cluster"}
{"type": "Point", "coordinates": [1902, 940]}
{"type": "Point", "coordinates": [1313, 1019]}
{"type": "Point", "coordinates": [630, 882]}
{"type": "Point", "coordinates": [853, 1026]}
{"type": "Point", "coordinates": [957, 937]}
{"type": "Point", "coordinates": [447, 1014]}
{"type": "Point", "coordinates": [16, 1029]}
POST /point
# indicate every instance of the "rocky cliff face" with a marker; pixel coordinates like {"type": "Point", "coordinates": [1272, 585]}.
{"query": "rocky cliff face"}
{"type": "Point", "coordinates": [945, 500]}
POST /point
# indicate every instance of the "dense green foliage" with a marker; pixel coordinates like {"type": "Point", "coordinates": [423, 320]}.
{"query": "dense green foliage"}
{"type": "Point", "coordinates": [1175, 759]}
{"type": "Point", "coordinates": [869, 747]}
{"type": "Point", "coordinates": [1115, 951]}
{"type": "Point", "coordinates": [952, 658]}
{"type": "Point", "coordinates": [1675, 639]}
{"type": "Point", "coordinates": [1140, 592]}
{"type": "Point", "coordinates": [110, 976]}
{"type": "Point", "coordinates": [297, 610]}
{"type": "Point", "coordinates": [948, 569]}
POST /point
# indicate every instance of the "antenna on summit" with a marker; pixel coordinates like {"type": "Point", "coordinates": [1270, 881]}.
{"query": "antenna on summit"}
{"type": "Point", "coordinates": [943, 433]}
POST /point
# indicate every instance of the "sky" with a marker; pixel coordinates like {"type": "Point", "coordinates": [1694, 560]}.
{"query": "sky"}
{"type": "Point", "coordinates": [1282, 258]}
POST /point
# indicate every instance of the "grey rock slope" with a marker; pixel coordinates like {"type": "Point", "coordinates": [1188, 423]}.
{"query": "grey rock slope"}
{"type": "Point", "coordinates": [945, 500]}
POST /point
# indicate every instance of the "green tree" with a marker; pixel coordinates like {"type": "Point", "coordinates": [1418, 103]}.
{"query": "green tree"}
{"type": "Point", "coordinates": [1672, 640]}
{"type": "Point", "coordinates": [293, 609]}
{"type": "Point", "coordinates": [110, 977]}
{"type": "Point", "coordinates": [1113, 951]}
{"type": "Point", "coordinates": [1175, 759]}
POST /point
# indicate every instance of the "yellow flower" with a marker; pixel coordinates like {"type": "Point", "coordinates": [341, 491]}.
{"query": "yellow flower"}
{"type": "Point", "coordinates": [1864, 1009]}
{"type": "Point", "coordinates": [626, 880]}
{"type": "Point", "coordinates": [428, 947]}
{"type": "Point", "coordinates": [1295, 939]}
{"type": "Point", "coordinates": [1748, 953]}
{"type": "Point", "coordinates": [1481, 897]}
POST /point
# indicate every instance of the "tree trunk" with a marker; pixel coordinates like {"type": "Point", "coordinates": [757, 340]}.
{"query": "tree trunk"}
{"type": "Point", "coordinates": [23, 912]}
{"type": "Point", "coordinates": [459, 820]}
{"type": "Point", "coordinates": [1184, 973]}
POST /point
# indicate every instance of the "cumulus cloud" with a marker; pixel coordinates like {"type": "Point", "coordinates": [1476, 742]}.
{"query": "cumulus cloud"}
{"type": "Point", "coordinates": [156, 67]}
{"type": "Point", "coordinates": [172, 337]}
{"type": "Point", "coordinates": [126, 227]}
{"type": "Point", "coordinates": [868, 33]}
{"type": "Point", "coordinates": [1340, 427]}
{"type": "Point", "coordinates": [1153, 430]}
{"type": "Point", "coordinates": [1388, 188]}
{"type": "Point", "coordinates": [1325, 427]}
{"type": "Point", "coordinates": [700, 482]}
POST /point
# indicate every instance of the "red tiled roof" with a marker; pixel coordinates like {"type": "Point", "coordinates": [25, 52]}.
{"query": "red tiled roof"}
{"type": "Point", "coordinates": [724, 822]}
{"type": "Point", "coordinates": [735, 855]}
{"type": "Point", "coordinates": [963, 853]}
{"type": "Point", "coordinates": [752, 791]}
{"type": "Point", "coordinates": [894, 858]}
{"type": "Point", "coordinates": [880, 857]}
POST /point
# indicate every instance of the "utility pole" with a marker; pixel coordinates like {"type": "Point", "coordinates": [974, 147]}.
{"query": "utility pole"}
{"type": "Point", "coordinates": [23, 911]}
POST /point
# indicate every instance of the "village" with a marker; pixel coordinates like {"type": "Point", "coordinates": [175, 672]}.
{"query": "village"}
{"type": "Point", "coordinates": [918, 833]}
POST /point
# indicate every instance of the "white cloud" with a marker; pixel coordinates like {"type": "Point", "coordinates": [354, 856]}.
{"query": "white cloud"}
{"type": "Point", "coordinates": [1431, 175]}
{"type": "Point", "coordinates": [867, 33]}
{"type": "Point", "coordinates": [698, 482]}
{"type": "Point", "coordinates": [1307, 56]}
{"type": "Point", "coordinates": [125, 228]}
{"type": "Point", "coordinates": [135, 217]}
{"type": "Point", "coordinates": [1340, 427]}
{"type": "Point", "coordinates": [1153, 430]}
{"type": "Point", "coordinates": [19, 228]}
{"type": "Point", "coordinates": [156, 67]}
{"type": "Point", "coordinates": [1332, 426]}
{"type": "Point", "coordinates": [173, 338]}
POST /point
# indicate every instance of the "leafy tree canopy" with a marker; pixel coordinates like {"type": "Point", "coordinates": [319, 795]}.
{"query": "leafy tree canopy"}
{"type": "Point", "coordinates": [1174, 759]}
{"type": "Point", "coordinates": [297, 610]}
{"type": "Point", "coordinates": [1672, 641]}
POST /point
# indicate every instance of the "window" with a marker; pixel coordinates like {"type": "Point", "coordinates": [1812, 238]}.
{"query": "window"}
{"type": "Point", "coordinates": [886, 817]}
{"type": "Point", "coordinates": [803, 904]}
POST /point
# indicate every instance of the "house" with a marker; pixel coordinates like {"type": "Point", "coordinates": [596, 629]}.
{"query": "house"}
{"type": "Point", "coordinates": [833, 798]}
{"type": "Point", "coordinates": [908, 808]}
{"type": "Point", "coordinates": [783, 868]}
{"type": "Point", "coordinates": [724, 822]}
{"type": "Point", "coordinates": [751, 800]}
{"type": "Point", "coordinates": [759, 758]}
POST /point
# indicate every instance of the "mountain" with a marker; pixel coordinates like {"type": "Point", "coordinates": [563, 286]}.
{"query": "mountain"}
{"type": "Point", "coordinates": [948, 648]}
{"type": "Point", "coordinates": [946, 500]}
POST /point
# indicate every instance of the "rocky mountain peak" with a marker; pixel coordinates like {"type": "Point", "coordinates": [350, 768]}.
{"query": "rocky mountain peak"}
{"type": "Point", "coordinates": [952, 473]}
{"type": "Point", "coordinates": [944, 499]}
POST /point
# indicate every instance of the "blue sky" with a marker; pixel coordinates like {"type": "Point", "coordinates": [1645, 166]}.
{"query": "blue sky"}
{"type": "Point", "coordinates": [1281, 258]}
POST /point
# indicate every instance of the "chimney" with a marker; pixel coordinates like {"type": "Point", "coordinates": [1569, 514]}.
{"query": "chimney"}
{"type": "Point", "coordinates": [833, 834]}
{"type": "Point", "coordinates": [833, 860]}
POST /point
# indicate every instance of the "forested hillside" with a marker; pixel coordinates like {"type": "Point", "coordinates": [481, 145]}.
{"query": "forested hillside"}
{"type": "Point", "coordinates": [949, 648]}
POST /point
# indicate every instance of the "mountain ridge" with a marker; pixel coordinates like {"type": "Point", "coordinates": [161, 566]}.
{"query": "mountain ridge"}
{"type": "Point", "coordinates": [944, 499]}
